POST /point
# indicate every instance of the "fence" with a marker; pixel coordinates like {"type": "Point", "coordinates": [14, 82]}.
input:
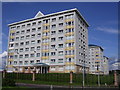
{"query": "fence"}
{"type": "Point", "coordinates": [63, 78]}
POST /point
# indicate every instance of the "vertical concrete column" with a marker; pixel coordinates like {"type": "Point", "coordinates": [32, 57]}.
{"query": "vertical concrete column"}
{"type": "Point", "coordinates": [23, 69]}
{"type": "Point", "coordinates": [34, 71]}
{"type": "Point", "coordinates": [71, 77]}
{"type": "Point", "coordinates": [41, 69]}
{"type": "Point", "coordinates": [4, 73]}
{"type": "Point", "coordinates": [115, 79]}
{"type": "Point", "coordinates": [28, 69]}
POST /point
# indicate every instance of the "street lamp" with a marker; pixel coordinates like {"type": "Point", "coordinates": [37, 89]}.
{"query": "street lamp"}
{"type": "Point", "coordinates": [98, 75]}
{"type": "Point", "coordinates": [18, 65]}
{"type": "Point", "coordinates": [84, 74]}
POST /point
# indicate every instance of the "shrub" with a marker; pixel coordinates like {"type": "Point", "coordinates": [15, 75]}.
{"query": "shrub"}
{"type": "Point", "coordinates": [8, 82]}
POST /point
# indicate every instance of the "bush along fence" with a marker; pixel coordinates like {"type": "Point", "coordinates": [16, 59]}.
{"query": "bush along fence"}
{"type": "Point", "coordinates": [65, 79]}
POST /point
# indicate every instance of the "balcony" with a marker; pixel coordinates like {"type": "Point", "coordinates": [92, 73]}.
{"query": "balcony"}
{"type": "Point", "coordinates": [69, 41]}
{"type": "Point", "coordinates": [10, 59]}
{"type": "Point", "coordinates": [69, 48]}
{"type": "Point", "coordinates": [69, 26]}
{"type": "Point", "coordinates": [67, 20]}
{"type": "Point", "coordinates": [47, 30]}
{"type": "Point", "coordinates": [69, 33]}
{"type": "Point", "coordinates": [10, 65]}
{"type": "Point", "coordinates": [69, 63]}
{"type": "Point", "coordinates": [10, 53]}
{"type": "Point", "coordinates": [45, 37]}
{"type": "Point", "coordinates": [12, 31]}
{"type": "Point", "coordinates": [45, 50]}
{"type": "Point", "coordinates": [69, 56]}
{"type": "Point", "coordinates": [11, 37]}
{"type": "Point", "coordinates": [46, 24]}
{"type": "Point", "coordinates": [44, 57]}
{"type": "Point", "coordinates": [45, 44]}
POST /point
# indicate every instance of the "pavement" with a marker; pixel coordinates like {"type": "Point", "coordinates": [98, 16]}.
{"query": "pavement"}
{"type": "Point", "coordinates": [56, 87]}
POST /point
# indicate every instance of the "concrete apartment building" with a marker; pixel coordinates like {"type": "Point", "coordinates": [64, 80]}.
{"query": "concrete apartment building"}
{"type": "Point", "coordinates": [56, 42]}
{"type": "Point", "coordinates": [105, 65]}
{"type": "Point", "coordinates": [97, 62]}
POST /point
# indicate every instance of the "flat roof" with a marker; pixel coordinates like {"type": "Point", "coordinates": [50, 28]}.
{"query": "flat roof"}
{"type": "Point", "coordinates": [48, 15]}
{"type": "Point", "coordinates": [92, 45]}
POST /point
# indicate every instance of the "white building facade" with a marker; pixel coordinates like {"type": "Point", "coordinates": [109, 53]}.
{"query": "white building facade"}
{"type": "Point", "coordinates": [56, 43]}
{"type": "Point", "coordinates": [105, 65]}
{"type": "Point", "coordinates": [97, 62]}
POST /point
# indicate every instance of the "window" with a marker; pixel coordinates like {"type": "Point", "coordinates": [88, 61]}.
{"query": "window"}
{"type": "Point", "coordinates": [26, 55]}
{"type": "Point", "coordinates": [54, 19]}
{"type": "Point", "coordinates": [60, 60]}
{"type": "Point", "coordinates": [16, 56]}
{"type": "Point", "coordinates": [39, 22]}
{"type": "Point", "coordinates": [26, 62]}
{"type": "Point", "coordinates": [37, 61]}
{"type": "Point", "coordinates": [60, 53]}
{"type": "Point", "coordinates": [28, 25]}
{"type": "Point", "coordinates": [21, 56]}
{"type": "Point", "coordinates": [32, 55]}
{"type": "Point", "coordinates": [16, 50]}
{"type": "Point", "coordinates": [22, 32]}
{"type": "Point", "coordinates": [53, 32]}
{"type": "Point", "coordinates": [38, 47]}
{"type": "Point", "coordinates": [39, 28]}
{"type": "Point", "coordinates": [39, 34]}
{"type": "Point", "coordinates": [27, 43]}
{"type": "Point", "coordinates": [21, 49]}
{"type": "Point", "coordinates": [33, 36]}
{"type": "Point", "coordinates": [53, 26]}
{"type": "Point", "coordinates": [60, 31]}
{"type": "Point", "coordinates": [60, 38]}
{"type": "Point", "coordinates": [61, 18]}
{"type": "Point", "coordinates": [60, 45]}
{"type": "Point", "coordinates": [17, 32]}
{"type": "Point", "coordinates": [34, 29]}
{"type": "Point", "coordinates": [31, 62]}
{"type": "Point", "coordinates": [52, 39]}
{"type": "Point", "coordinates": [22, 43]}
{"type": "Point", "coordinates": [18, 27]}
{"type": "Point", "coordinates": [32, 48]}
{"type": "Point", "coordinates": [70, 23]}
{"type": "Point", "coordinates": [52, 46]}
{"type": "Point", "coordinates": [34, 23]}
{"type": "Point", "coordinates": [28, 36]}
{"type": "Point", "coordinates": [28, 30]}
{"type": "Point", "coordinates": [23, 26]}
{"type": "Point", "coordinates": [17, 38]}
{"type": "Point", "coordinates": [16, 44]}
{"type": "Point", "coordinates": [60, 24]}
{"type": "Point", "coordinates": [38, 54]}
{"type": "Point", "coordinates": [32, 42]}
{"type": "Point", "coordinates": [69, 16]}
{"type": "Point", "coordinates": [26, 49]}
{"type": "Point", "coordinates": [38, 41]}
{"type": "Point", "coordinates": [15, 62]}
{"type": "Point", "coordinates": [52, 60]}
{"type": "Point", "coordinates": [20, 62]}
{"type": "Point", "coordinates": [53, 53]}
{"type": "Point", "coordinates": [22, 37]}
{"type": "Point", "coordinates": [11, 40]}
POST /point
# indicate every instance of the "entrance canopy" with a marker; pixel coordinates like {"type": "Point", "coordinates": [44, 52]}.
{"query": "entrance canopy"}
{"type": "Point", "coordinates": [40, 64]}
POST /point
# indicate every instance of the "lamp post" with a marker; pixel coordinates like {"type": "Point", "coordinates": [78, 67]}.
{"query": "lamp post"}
{"type": "Point", "coordinates": [84, 74]}
{"type": "Point", "coordinates": [98, 75]}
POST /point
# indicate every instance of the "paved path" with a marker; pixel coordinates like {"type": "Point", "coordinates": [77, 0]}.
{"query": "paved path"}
{"type": "Point", "coordinates": [56, 87]}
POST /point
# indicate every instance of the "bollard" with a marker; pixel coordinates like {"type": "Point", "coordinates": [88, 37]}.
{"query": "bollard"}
{"type": "Point", "coordinates": [115, 78]}
{"type": "Point", "coordinates": [71, 77]}
{"type": "Point", "coordinates": [33, 77]}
